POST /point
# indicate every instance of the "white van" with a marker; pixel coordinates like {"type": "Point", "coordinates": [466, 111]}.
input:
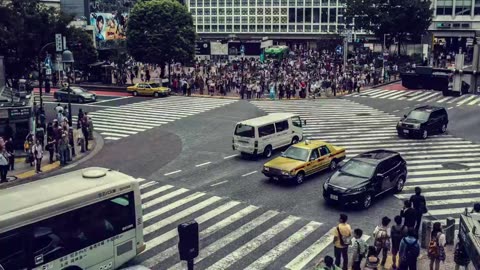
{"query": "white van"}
{"type": "Point", "coordinates": [264, 134]}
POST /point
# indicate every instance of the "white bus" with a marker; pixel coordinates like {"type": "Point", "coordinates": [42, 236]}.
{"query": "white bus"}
{"type": "Point", "coordinates": [82, 220]}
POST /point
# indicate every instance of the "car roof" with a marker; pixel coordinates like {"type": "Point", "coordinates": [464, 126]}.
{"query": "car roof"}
{"type": "Point", "coordinates": [267, 119]}
{"type": "Point", "coordinates": [310, 144]}
{"type": "Point", "coordinates": [376, 156]}
{"type": "Point", "coordinates": [428, 108]}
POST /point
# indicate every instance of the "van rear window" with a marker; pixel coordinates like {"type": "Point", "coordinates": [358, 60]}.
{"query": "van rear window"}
{"type": "Point", "coordinates": [245, 131]}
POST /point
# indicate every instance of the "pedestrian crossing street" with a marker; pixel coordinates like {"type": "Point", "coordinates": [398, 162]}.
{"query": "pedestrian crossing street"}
{"type": "Point", "coordinates": [445, 167]}
{"type": "Point", "coordinates": [233, 235]}
{"type": "Point", "coordinates": [123, 121]}
{"type": "Point", "coordinates": [427, 96]}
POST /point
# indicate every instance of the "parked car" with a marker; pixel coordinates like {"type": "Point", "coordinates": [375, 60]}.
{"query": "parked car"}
{"type": "Point", "coordinates": [149, 89]}
{"type": "Point", "coordinates": [366, 176]}
{"type": "Point", "coordinates": [304, 159]}
{"type": "Point", "coordinates": [423, 121]}
{"type": "Point", "coordinates": [77, 94]}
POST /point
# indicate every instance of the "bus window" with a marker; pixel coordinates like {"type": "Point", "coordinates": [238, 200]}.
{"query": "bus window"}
{"type": "Point", "coordinates": [12, 250]}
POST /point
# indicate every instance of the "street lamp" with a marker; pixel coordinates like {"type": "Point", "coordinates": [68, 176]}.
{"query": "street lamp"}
{"type": "Point", "coordinates": [67, 57]}
{"type": "Point", "coordinates": [384, 49]}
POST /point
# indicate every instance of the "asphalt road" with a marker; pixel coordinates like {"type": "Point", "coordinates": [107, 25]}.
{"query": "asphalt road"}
{"type": "Point", "coordinates": [181, 148]}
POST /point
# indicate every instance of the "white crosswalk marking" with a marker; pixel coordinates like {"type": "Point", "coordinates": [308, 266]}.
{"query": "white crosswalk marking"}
{"type": "Point", "coordinates": [445, 167]}
{"type": "Point", "coordinates": [123, 121]}
{"type": "Point", "coordinates": [233, 219]}
{"type": "Point", "coordinates": [427, 96]}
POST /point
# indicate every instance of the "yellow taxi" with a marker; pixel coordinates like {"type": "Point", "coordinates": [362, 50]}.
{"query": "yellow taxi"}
{"type": "Point", "coordinates": [303, 159]}
{"type": "Point", "coordinates": [149, 89]}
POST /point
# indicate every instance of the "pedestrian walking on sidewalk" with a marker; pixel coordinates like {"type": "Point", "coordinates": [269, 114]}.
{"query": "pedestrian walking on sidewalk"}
{"type": "Point", "coordinates": [359, 249]}
{"type": "Point", "coordinates": [381, 235]}
{"type": "Point", "coordinates": [3, 164]}
{"type": "Point", "coordinates": [342, 234]}
{"type": "Point", "coordinates": [420, 205]}
{"type": "Point", "coordinates": [11, 153]}
{"type": "Point", "coordinates": [409, 215]}
{"type": "Point", "coordinates": [460, 256]}
{"type": "Point", "coordinates": [436, 247]}
{"type": "Point", "coordinates": [326, 264]}
{"type": "Point", "coordinates": [37, 151]}
{"type": "Point", "coordinates": [409, 251]}
{"type": "Point", "coordinates": [50, 147]}
{"type": "Point", "coordinates": [397, 233]}
{"type": "Point", "coordinates": [372, 261]}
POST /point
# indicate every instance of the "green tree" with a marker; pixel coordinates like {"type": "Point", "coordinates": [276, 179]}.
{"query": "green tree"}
{"type": "Point", "coordinates": [26, 26]}
{"type": "Point", "coordinates": [399, 20]}
{"type": "Point", "coordinates": [83, 50]}
{"type": "Point", "coordinates": [160, 31]}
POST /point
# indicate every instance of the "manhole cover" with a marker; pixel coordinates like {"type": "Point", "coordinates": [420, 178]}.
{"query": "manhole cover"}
{"type": "Point", "coordinates": [363, 114]}
{"type": "Point", "coordinates": [455, 166]}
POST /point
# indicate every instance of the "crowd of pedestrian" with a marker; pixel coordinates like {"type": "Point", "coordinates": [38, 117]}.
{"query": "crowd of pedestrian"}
{"type": "Point", "coordinates": [301, 74]}
{"type": "Point", "coordinates": [401, 240]}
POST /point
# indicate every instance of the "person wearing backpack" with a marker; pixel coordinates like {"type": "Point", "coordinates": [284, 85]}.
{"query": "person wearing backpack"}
{"type": "Point", "coordinates": [328, 264]}
{"type": "Point", "coordinates": [436, 247]}
{"type": "Point", "coordinates": [397, 233]}
{"type": "Point", "coordinates": [420, 205]}
{"type": "Point", "coordinates": [381, 235]}
{"type": "Point", "coordinates": [359, 249]}
{"type": "Point", "coordinates": [409, 251]}
{"type": "Point", "coordinates": [342, 239]}
{"type": "Point", "coordinates": [372, 260]}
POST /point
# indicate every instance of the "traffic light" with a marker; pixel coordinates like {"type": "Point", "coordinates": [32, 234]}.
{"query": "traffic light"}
{"type": "Point", "coordinates": [188, 240]}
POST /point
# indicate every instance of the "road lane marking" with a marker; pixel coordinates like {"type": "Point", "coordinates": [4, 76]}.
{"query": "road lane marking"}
{"type": "Point", "coordinates": [113, 99]}
{"type": "Point", "coordinates": [203, 164]}
{"type": "Point", "coordinates": [250, 173]}
{"type": "Point", "coordinates": [219, 183]}
{"type": "Point", "coordinates": [396, 111]}
{"type": "Point", "coordinates": [174, 172]}
{"type": "Point", "coordinates": [236, 155]}
{"type": "Point", "coordinates": [253, 244]}
{"type": "Point", "coordinates": [171, 206]}
{"type": "Point", "coordinates": [154, 192]}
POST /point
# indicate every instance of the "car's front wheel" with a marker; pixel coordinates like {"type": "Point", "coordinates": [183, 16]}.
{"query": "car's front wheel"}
{"type": "Point", "coordinates": [156, 94]}
{"type": "Point", "coordinates": [400, 184]}
{"type": "Point", "coordinates": [80, 100]}
{"type": "Point", "coordinates": [424, 134]}
{"type": "Point", "coordinates": [135, 93]}
{"type": "Point", "coordinates": [443, 129]}
{"type": "Point", "coordinates": [299, 178]}
{"type": "Point", "coordinates": [367, 201]}
{"type": "Point", "coordinates": [333, 164]}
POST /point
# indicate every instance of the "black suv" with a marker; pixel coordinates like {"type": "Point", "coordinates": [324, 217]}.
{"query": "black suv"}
{"type": "Point", "coordinates": [365, 177]}
{"type": "Point", "coordinates": [423, 121]}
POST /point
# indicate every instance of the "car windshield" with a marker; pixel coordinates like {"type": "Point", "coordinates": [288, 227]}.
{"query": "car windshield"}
{"type": "Point", "coordinates": [358, 168]}
{"type": "Point", "coordinates": [245, 131]}
{"type": "Point", "coordinates": [154, 85]}
{"type": "Point", "coordinates": [77, 90]}
{"type": "Point", "coordinates": [296, 153]}
{"type": "Point", "coordinates": [418, 115]}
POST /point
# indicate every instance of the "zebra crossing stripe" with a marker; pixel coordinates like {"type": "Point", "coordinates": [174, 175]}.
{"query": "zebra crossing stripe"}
{"type": "Point", "coordinates": [432, 194]}
{"type": "Point", "coordinates": [310, 253]}
{"type": "Point", "coordinates": [253, 244]}
{"type": "Point", "coordinates": [445, 99]}
{"type": "Point", "coordinates": [474, 101]}
{"type": "Point", "coordinates": [466, 100]}
{"type": "Point", "coordinates": [449, 211]}
{"type": "Point", "coordinates": [163, 198]}
{"type": "Point", "coordinates": [418, 96]}
{"type": "Point", "coordinates": [404, 93]}
{"type": "Point", "coordinates": [443, 178]}
{"type": "Point", "coordinates": [452, 201]}
{"type": "Point", "coordinates": [176, 217]}
{"type": "Point", "coordinates": [154, 242]}
{"type": "Point", "coordinates": [442, 185]}
{"type": "Point", "coordinates": [154, 192]}
{"type": "Point", "coordinates": [236, 234]}
{"type": "Point", "coordinates": [284, 246]}
{"type": "Point", "coordinates": [428, 97]}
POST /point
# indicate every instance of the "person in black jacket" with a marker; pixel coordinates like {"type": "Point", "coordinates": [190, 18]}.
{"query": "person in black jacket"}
{"type": "Point", "coordinates": [409, 215]}
{"type": "Point", "coordinates": [420, 205]}
{"type": "Point", "coordinates": [11, 153]}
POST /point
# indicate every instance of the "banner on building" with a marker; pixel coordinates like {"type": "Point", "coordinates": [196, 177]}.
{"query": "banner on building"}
{"type": "Point", "coordinates": [252, 48]}
{"type": "Point", "coordinates": [219, 48]}
{"type": "Point", "coordinates": [202, 48]}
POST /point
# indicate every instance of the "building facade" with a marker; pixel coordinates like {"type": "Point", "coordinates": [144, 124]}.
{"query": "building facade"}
{"type": "Point", "coordinates": [277, 19]}
{"type": "Point", "coordinates": [455, 25]}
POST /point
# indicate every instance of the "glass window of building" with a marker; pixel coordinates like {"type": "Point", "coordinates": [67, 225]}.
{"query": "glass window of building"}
{"type": "Point", "coordinates": [268, 3]}
{"type": "Point", "coordinates": [340, 19]}
{"type": "Point", "coordinates": [251, 19]}
{"type": "Point", "coordinates": [476, 10]}
{"type": "Point", "coordinates": [214, 20]}
{"type": "Point", "coordinates": [276, 11]}
{"type": "Point", "coordinates": [221, 20]}
{"type": "Point", "coordinates": [236, 28]}
{"type": "Point", "coordinates": [236, 11]}
{"type": "Point", "coordinates": [229, 28]}
{"type": "Point", "coordinates": [284, 2]}
{"type": "Point", "coordinates": [252, 11]}
{"type": "Point", "coordinates": [199, 20]}
{"type": "Point", "coordinates": [444, 7]}
{"type": "Point", "coordinates": [193, 3]}
{"type": "Point", "coordinates": [236, 19]}
{"type": "Point", "coordinates": [200, 11]}
{"type": "Point", "coordinates": [316, 28]}
{"type": "Point", "coordinates": [299, 15]}
{"type": "Point", "coordinates": [193, 11]}
{"type": "Point", "coordinates": [229, 3]}
{"type": "Point", "coordinates": [236, 3]}
{"type": "Point", "coordinates": [332, 28]}
{"type": "Point", "coordinates": [244, 19]}
{"type": "Point", "coordinates": [221, 28]}
{"type": "Point", "coordinates": [283, 28]}
{"type": "Point", "coordinates": [300, 3]}
{"type": "Point", "coordinates": [229, 19]}
{"type": "Point", "coordinates": [291, 15]}
{"type": "Point", "coordinates": [268, 28]}
{"type": "Point", "coordinates": [276, 3]}
{"type": "Point", "coordinates": [259, 11]}
{"type": "Point", "coordinates": [463, 7]}
{"type": "Point", "coordinates": [221, 3]}
{"type": "Point", "coordinates": [276, 28]}
{"type": "Point", "coordinates": [284, 11]}
{"type": "Point", "coordinates": [324, 15]}
{"type": "Point", "coordinates": [260, 19]}
{"type": "Point", "coordinates": [200, 3]}
{"type": "Point", "coordinates": [268, 11]}
{"type": "Point", "coordinates": [268, 20]}
{"type": "Point", "coordinates": [308, 15]}
{"type": "Point", "coordinates": [284, 20]}
{"type": "Point", "coordinates": [251, 28]}
{"type": "Point", "coordinates": [214, 28]}
{"type": "Point", "coordinates": [308, 3]}
{"type": "Point", "coordinates": [300, 28]}
{"type": "Point", "coordinates": [308, 28]}
{"type": "Point", "coordinates": [292, 3]}
{"type": "Point", "coordinates": [206, 3]}
{"type": "Point", "coordinates": [260, 28]}
{"type": "Point", "coordinates": [316, 15]}
{"type": "Point", "coordinates": [323, 28]}
{"type": "Point", "coordinates": [276, 20]}
{"type": "Point", "coordinates": [207, 11]}
{"type": "Point", "coordinates": [324, 2]}
{"type": "Point", "coordinates": [200, 28]}
{"type": "Point", "coordinates": [252, 2]}
{"type": "Point", "coordinates": [316, 2]}
{"type": "Point", "coordinates": [229, 11]}
{"type": "Point", "coordinates": [214, 11]}
{"type": "Point", "coordinates": [244, 11]}
{"type": "Point", "coordinates": [244, 3]}
{"type": "Point", "coordinates": [207, 20]}
{"type": "Point", "coordinates": [207, 28]}
{"type": "Point", "coordinates": [244, 28]}
{"type": "Point", "coordinates": [333, 15]}
{"type": "Point", "coordinates": [340, 27]}
{"type": "Point", "coordinates": [291, 28]}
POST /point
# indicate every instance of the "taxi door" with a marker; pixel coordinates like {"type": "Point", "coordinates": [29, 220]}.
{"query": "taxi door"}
{"type": "Point", "coordinates": [313, 163]}
{"type": "Point", "coordinates": [141, 89]}
{"type": "Point", "coordinates": [325, 157]}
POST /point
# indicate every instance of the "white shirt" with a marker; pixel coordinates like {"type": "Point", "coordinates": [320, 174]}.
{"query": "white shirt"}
{"type": "Point", "coordinates": [39, 150]}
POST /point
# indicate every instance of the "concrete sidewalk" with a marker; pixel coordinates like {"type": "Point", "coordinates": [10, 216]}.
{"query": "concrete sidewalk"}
{"type": "Point", "coordinates": [23, 171]}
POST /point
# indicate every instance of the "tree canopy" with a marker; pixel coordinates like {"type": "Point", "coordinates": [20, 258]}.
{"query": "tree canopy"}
{"type": "Point", "coordinates": [401, 20]}
{"type": "Point", "coordinates": [26, 26]}
{"type": "Point", "coordinates": [160, 31]}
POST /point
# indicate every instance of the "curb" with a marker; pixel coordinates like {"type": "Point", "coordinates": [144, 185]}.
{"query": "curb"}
{"type": "Point", "coordinates": [383, 84]}
{"type": "Point", "coordinates": [48, 169]}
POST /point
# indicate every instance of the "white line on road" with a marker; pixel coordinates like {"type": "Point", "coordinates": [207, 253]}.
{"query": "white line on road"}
{"type": "Point", "coordinates": [203, 164]}
{"type": "Point", "coordinates": [236, 155]}
{"type": "Point", "coordinates": [250, 173]}
{"type": "Point", "coordinates": [219, 183]}
{"type": "Point", "coordinates": [396, 111]}
{"type": "Point", "coordinates": [450, 108]}
{"type": "Point", "coordinates": [113, 99]}
{"type": "Point", "coordinates": [174, 172]}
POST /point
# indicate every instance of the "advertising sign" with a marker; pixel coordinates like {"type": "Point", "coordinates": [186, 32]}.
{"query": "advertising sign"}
{"type": "Point", "coordinates": [202, 48]}
{"type": "Point", "coordinates": [219, 48]}
{"type": "Point", "coordinates": [249, 48]}
{"type": "Point", "coordinates": [58, 42]}
{"type": "Point", "coordinates": [19, 113]}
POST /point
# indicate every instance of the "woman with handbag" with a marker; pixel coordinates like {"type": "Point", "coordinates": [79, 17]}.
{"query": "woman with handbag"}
{"type": "Point", "coordinates": [436, 248]}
